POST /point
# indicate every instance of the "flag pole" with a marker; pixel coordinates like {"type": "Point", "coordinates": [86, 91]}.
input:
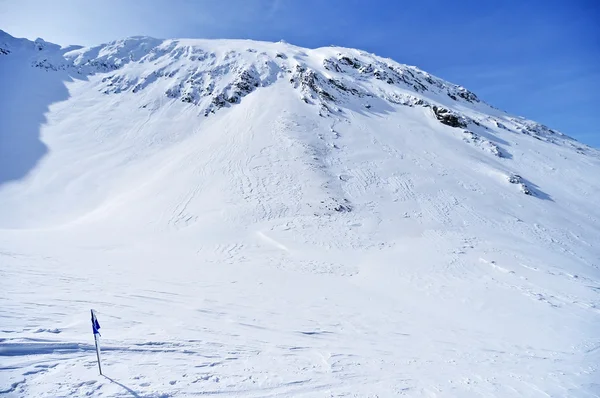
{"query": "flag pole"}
{"type": "Point", "coordinates": [95, 327]}
{"type": "Point", "coordinates": [98, 353]}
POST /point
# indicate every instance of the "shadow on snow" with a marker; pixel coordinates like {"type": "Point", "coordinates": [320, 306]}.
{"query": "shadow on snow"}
{"type": "Point", "coordinates": [25, 97]}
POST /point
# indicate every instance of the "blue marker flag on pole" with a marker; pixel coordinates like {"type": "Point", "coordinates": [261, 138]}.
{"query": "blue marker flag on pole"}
{"type": "Point", "coordinates": [95, 323]}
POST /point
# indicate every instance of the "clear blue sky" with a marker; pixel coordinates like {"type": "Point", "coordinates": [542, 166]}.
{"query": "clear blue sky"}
{"type": "Point", "coordinates": [537, 58]}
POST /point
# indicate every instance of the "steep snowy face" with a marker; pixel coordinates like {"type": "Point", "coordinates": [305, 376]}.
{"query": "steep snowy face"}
{"type": "Point", "coordinates": [324, 219]}
{"type": "Point", "coordinates": [333, 83]}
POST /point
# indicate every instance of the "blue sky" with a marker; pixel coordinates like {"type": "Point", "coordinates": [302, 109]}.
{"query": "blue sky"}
{"type": "Point", "coordinates": [539, 58]}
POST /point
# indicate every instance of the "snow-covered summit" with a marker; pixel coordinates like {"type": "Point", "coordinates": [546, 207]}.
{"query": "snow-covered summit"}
{"type": "Point", "coordinates": [216, 73]}
{"type": "Point", "coordinates": [260, 219]}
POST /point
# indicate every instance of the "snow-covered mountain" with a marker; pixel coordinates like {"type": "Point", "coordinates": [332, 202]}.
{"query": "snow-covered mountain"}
{"type": "Point", "coordinates": [259, 219]}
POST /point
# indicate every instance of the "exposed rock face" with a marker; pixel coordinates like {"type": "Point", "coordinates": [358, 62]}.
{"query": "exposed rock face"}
{"type": "Point", "coordinates": [311, 84]}
{"type": "Point", "coordinates": [482, 143]}
{"type": "Point", "coordinates": [517, 179]}
{"type": "Point", "coordinates": [448, 118]}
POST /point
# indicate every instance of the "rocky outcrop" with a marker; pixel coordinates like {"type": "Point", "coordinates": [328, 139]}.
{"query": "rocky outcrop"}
{"type": "Point", "coordinates": [518, 180]}
{"type": "Point", "coordinates": [448, 118]}
{"type": "Point", "coordinates": [245, 83]}
{"type": "Point", "coordinates": [405, 99]}
{"type": "Point", "coordinates": [337, 205]}
{"type": "Point", "coordinates": [488, 146]}
{"type": "Point", "coordinates": [310, 83]}
{"type": "Point", "coordinates": [537, 130]}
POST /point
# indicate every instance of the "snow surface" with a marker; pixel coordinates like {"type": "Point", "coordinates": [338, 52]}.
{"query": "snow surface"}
{"type": "Point", "coordinates": [257, 219]}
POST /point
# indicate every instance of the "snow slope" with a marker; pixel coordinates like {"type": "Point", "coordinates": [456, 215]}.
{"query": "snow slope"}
{"type": "Point", "coordinates": [257, 219]}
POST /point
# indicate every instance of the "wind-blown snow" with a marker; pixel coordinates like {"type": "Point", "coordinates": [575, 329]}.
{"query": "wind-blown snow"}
{"type": "Point", "coordinates": [258, 219]}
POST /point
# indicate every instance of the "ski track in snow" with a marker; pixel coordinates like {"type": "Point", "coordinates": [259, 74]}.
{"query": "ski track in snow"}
{"type": "Point", "coordinates": [286, 244]}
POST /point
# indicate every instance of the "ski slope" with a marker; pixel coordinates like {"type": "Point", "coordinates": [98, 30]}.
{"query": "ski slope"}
{"type": "Point", "coordinates": [258, 219]}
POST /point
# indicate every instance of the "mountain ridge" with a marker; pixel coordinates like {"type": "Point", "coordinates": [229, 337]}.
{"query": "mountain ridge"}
{"type": "Point", "coordinates": [117, 54]}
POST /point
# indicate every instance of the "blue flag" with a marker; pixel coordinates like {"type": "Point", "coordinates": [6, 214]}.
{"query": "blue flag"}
{"type": "Point", "coordinates": [95, 323]}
